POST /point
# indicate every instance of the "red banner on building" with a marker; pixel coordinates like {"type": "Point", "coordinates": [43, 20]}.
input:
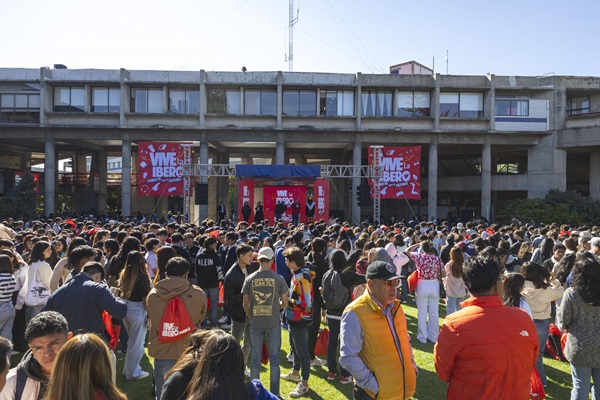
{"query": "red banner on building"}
{"type": "Point", "coordinates": [401, 172]}
{"type": "Point", "coordinates": [287, 194]}
{"type": "Point", "coordinates": [246, 194]}
{"type": "Point", "coordinates": [321, 199]}
{"type": "Point", "coordinates": [160, 169]}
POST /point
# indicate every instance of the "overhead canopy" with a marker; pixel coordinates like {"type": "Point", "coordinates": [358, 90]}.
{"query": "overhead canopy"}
{"type": "Point", "coordinates": [278, 171]}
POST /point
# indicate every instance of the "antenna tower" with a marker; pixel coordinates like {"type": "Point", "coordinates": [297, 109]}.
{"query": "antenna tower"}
{"type": "Point", "coordinates": [290, 57]}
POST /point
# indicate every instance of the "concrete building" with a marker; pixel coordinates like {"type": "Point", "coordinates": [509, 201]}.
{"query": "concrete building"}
{"type": "Point", "coordinates": [486, 139]}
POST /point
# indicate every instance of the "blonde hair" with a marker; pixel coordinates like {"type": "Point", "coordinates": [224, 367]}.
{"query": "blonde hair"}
{"type": "Point", "coordinates": [135, 265]}
{"type": "Point", "coordinates": [81, 367]}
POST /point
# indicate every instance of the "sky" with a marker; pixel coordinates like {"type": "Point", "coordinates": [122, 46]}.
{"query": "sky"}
{"type": "Point", "coordinates": [510, 37]}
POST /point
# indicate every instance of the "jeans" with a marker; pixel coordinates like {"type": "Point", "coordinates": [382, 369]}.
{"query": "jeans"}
{"type": "Point", "coordinates": [161, 367]}
{"type": "Point", "coordinates": [272, 336]}
{"type": "Point", "coordinates": [453, 304]}
{"type": "Point", "coordinates": [332, 347]}
{"type": "Point", "coordinates": [581, 383]}
{"type": "Point", "coordinates": [31, 312]}
{"type": "Point", "coordinates": [7, 318]}
{"type": "Point", "coordinates": [542, 330]}
{"type": "Point", "coordinates": [299, 342]}
{"type": "Point", "coordinates": [135, 323]}
{"type": "Point", "coordinates": [295, 219]}
{"type": "Point", "coordinates": [213, 295]}
{"type": "Point", "coordinates": [404, 296]}
{"type": "Point", "coordinates": [428, 298]}
{"type": "Point", "coordinates": [313, 327]}
{"type": "Point", "coordinates": [241, 333]}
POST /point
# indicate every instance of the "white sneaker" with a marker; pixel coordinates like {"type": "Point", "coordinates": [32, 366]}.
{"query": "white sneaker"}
{"type": "Point", "coordinates": [226, 326]}
{"type": "Point", "coordinates": [300, 390]}
{"type": "Point", "coordinates": [247, 372]}
{"type": "Point", "coordinates": [290, 357]}
{"type": "Point", "coordinates": [291, 377]}
{"type": "Point", "coordinates": [223, 319]}
{"type": "Point", "coordinates": [317, 362]}
{"type": "Point", "coordinates": [143, 375]}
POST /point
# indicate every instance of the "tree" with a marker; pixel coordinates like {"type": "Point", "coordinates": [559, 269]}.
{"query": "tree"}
{"type": "Point", "coordinates": [20, 199]}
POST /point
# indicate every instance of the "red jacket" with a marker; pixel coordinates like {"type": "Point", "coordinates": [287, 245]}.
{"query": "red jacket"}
{"type": "Point", "coordinates": [487, 351]}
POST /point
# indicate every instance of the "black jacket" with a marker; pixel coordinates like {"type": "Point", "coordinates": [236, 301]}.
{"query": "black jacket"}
{"type": "Point", "coordinates": [208, 269]}
{"type": "Point", "coordinates": [234, 280]}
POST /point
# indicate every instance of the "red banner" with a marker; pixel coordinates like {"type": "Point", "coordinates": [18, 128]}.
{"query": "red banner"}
{"type": "Point", "coordinates": [287, 194]}
{"type": "Point", "coordinates": [160, 169]}
{"type": "Point", "coordinates": [401, 172]}
{"type": "Point", "coordinates": [321, 199]}
{"type": "Point", "coordinates": [36, 180]}
{"type": "Point", "coordinates": [246, 194]}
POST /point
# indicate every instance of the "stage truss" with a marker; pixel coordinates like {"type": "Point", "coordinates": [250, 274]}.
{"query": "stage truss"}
{"type": "Point", "coordinates": [374, 172]}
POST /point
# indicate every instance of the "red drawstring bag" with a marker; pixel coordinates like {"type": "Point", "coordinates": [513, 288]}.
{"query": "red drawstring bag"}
{"type": "Point", "coordinates": [113, 331]}
{"type": "Point", "coordinates": [175, 323]}
{"type": "Point", "coordinates": [221, 295]}
{"type": "Point", "coordinates": [412, 280]}
{"type": "Point", "coordinates": [537, 389]}
{"type": "Point", "coordinates": [322, 343]}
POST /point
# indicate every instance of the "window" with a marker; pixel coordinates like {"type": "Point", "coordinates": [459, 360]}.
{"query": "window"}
{"type": "Point", "coordinates": [260, 102]}
{"type": "Point", "coordinates": [20, 108]}
{"type": "Point", "coordinates": [147, 101]}
{"type": "Point", "coordinates": [69, 99]}
{"type": "Point", "coordinates": [299, 102]}
{"type": "Point", "coordinates": [376, 104]}
{"type": "Point", "coordinates": [461, 105]}
{"type": "Point", "coordinates": [336, 103]}
{"type": "Point", "coordinates": [184, 101]}
{"type": "Point", "coordinates": [578, 105]}
{"type": "Point", "coordinates": [224, 101]}
{"type": "Point", "coordinates": [106, 100]}
{"type": "Point", "coordinates": [413, 104]}
{"type": "Point", "coordinates": [506, 108]}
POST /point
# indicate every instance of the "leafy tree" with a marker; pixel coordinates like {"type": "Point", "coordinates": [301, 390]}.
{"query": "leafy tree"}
{"type": "Point", "coordinates": [20, 199]}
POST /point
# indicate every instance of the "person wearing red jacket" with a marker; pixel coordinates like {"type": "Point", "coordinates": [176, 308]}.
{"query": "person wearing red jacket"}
{"type": "Point", "coordinates": [296, 208]}
{"type": "Point", "coordinates": [486, 350]}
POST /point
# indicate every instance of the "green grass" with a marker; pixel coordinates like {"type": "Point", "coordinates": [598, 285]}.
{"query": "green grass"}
{"type": "Point", "coordinates": [428, 385]}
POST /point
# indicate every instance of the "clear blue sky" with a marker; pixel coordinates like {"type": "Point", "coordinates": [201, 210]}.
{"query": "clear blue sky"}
{"type": "Point", "coordinates": [501, 37]}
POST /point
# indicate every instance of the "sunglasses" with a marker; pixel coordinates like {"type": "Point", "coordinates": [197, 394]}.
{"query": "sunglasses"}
{"type": "Point", "coordinates": [394, 283]}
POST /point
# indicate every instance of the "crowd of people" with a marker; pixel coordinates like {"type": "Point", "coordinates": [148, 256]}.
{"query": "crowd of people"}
{"type": "Point", "coordinates": [74, 293]}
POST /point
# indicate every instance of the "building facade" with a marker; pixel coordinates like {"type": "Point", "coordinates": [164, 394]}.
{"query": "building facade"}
{"type": "Point", "coordinates": [485, 139]}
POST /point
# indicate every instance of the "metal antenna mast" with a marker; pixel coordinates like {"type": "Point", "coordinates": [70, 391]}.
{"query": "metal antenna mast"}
{"type": "Point", "coordinates": [290, 57]}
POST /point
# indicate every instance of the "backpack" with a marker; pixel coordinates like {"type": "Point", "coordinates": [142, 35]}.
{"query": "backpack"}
{"type": "Point", "coordinates": [554, 348]}
{"type": "Point", "coordinates": [175, 323]}
{"type": "Point", "coordinates": [335, 295]}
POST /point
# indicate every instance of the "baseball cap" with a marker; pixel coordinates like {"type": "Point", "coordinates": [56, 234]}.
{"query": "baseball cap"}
{"type": "Point", "coordinates": [595, 242]}
{"type": "Point", "coordinates": [382, 270]}
{"type": "Point", "coordinates": [265, 253]}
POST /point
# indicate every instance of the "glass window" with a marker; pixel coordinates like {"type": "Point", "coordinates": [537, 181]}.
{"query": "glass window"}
{"type": "Point", "coordinates": [20, 108]}
{"type": "Point", "coordinates": [260, 102]}
{"type": "Point", "coordinates": [461, 105]}
{"type": "Point", "coordinates": [106, 100]}
{"type": "Point", "coordinates": [336, 103]}
{"type": "Point", "coordinates": [224, 101]}
{"type": "Point", "coordinates": [511, 108]}
{"type": "Point", "coordinates": [578, 105]}
{"type": "Point", "coordinates": [69, 99]}
{"type": "Point", "coordinates": [413, 104]}
{"type": "Point", "coordinates": [7, 101]}
{"type": "Point", "coordinates": [376, 104]}
{"type": "Point", "coordinates": [147, 101]}
{"type": "Point", "coordinates": [184, 101]}
{"type": "Point", "coordinates": [299, 102]}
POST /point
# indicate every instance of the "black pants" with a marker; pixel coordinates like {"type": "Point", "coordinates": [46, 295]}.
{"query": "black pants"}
{"type": "Point", "coordinates": [313, 327]}
{"type": "Point", "coordinates": [360, 394]}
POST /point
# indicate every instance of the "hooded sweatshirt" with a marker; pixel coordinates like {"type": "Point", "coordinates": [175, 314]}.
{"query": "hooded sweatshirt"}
{"type": "Point", "coordinates": [195, 302]}
{"type": "Point", "coordinates": [399, 259]}
{"type": "Point", "coordinates": [36, 384]}
{"type": "Point", "coordinates": [539, 299]}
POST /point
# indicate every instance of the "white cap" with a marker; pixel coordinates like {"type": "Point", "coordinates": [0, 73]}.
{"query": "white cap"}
{"type": "Point", "coordinates": [265, 253]}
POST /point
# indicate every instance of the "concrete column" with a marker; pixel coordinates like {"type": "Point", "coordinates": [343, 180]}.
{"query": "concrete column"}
{"type": "Point", "coordinates": [280, 149]}
{"type": "Point", "coordinates": [166, 105]}
{"type": "Point", "coordinates": [46, 94]}
{"type": "Point", "coordinates": [491, 113]}
{"type": "Point", "coordinates": [357, 101]}
{"type": "Point", "coordinates": [50, 176]}
{"type": "Point", "coordinates": [203, 99]}
{"type": "Point", "coordinates": [102, 194]}
{"type": "Point", "coordinates": [87, 98]}
{"type": "Point", "coordinates": [486, 179]}
{"type": "Point", "coordinates": [203, 210]}
{"type": "Point", "coordinates": [126, 176]}
{"type": "Point", "coordinates": [279, 99]}
{"type": "Point", "coordinates": [125, 107]}
{"type": "Point", "coordinates": [23, 162]}
{"type": "Point", "coordinates": [435, 104]}
{"type": "Point", "coordinates": [356, 160]}
{"type": "Point", "coordinates": [595, 173]}
{"type": "Point", "coordinates": [432, 179]}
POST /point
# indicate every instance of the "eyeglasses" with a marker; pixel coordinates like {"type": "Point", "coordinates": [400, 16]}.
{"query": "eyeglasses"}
{"type": "Point", "coordinates": [394, 283]}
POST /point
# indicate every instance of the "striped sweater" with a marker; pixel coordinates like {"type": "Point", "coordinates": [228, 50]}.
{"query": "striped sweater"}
{"type": "Point", "coordinates": [8, 285]}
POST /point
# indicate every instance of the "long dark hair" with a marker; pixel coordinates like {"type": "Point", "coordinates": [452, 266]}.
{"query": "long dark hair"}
{"type": "Point", "coordinates": [564, 266]}
{"type": "Point", "coordinates": [219, 374]}
{"type": "Point", "coordinates": [513, 284]}
{"type": "Point", "coordinates": [135, 266]}
{"type": "Point", "coordinates": [37, 253]}
{"type": "Point", "coordinates": [537, 274]}
{"type": "Point", "coordinates": [456, 262]}
{"type": "Point", "coordinates": [586, 278]}
{"type": "Point", "coordinates": [118, 262]}
{"type": "Point", "coordinates": [73, 244]}
{"type": "Point", "coordinates": [546, 249]}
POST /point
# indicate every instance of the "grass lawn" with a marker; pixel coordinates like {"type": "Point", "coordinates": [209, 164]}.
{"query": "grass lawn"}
{"type": "Point", "coordinates": [428, 385]}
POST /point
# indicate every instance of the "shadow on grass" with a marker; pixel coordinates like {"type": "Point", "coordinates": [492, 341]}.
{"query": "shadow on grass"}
{"type": "Point", "coordinates": [559, 381]}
